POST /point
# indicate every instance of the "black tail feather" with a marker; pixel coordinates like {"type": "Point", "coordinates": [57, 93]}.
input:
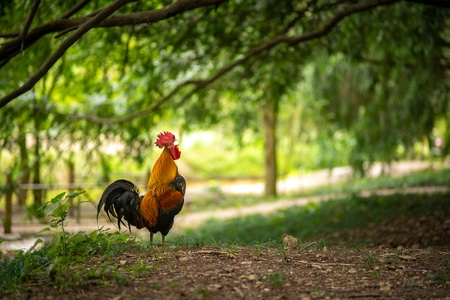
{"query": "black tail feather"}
{"type": "Point", "coordinates": [121, 200]}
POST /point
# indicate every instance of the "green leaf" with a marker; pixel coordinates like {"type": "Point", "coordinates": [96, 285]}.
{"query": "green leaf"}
{"type": "Point", "coordinates": [75, 194]}
{"type": "Point", "coordinates": [58, 198]}
{"type": "Point", "coordinates": [40, 213]}
{"type": "Point", "coordinates": [94, 236]}
{"type": "Point", "coordinates": [46, 229]}
{"type": "Point", "coordinates": [61, 211]}
{"type": "Point", "coordinates": [49, 209]}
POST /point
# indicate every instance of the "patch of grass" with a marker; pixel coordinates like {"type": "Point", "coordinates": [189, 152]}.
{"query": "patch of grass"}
{"type": "Point", "coordinates": [318, 292]}
{"type": "Point", "coordinates": [277, 279]}
{"type": "Point", "coordinates": [182, 241]}
{"type": "Point", "coordinates": [50, 267]}
{"type": "Point", "coordinates": [439, 276]}
{"type": "Point", "coordinates": [138, 268]}
{"type": "Point", "coordinates": [173, 283]}
{"type": "Point", "coordinates": [62, 261]}
{"type": "Point", "coordinates": [313, 220]}
{"type": "Point", "coordinates": [202, 292]}
{"type": "Point", "coordinates": [230, 250]}
{"type": "Point", "coordinates": [370, 261]}
{"type": "Point", "coordinates": [120, 277]}
{"type": "Point", "coordinates": [257, 250]}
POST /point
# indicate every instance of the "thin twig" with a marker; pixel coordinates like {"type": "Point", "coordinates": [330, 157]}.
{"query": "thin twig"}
{"type": "Point", "coordinates": [29, 20]}
{"type": "Point", "coordinates": [212, 252]}
{"type": "Point", "coordinates": [239, 292]}
{"type": "Point", "coordinates": [75, 9]}
{"type": "Point", "coordinates": [323, 264]}
{"type": "Point", "coordinates": [70, 13]}
{"type": "Point", "coordinates": [307, 246]}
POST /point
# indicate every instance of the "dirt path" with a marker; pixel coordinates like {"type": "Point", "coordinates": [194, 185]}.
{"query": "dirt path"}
{"type": "Point", "coordinates": [304, 181]}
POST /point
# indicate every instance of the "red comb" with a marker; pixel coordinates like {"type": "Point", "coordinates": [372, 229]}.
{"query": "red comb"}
{"type": "Point", "coordinates": [165, 138]}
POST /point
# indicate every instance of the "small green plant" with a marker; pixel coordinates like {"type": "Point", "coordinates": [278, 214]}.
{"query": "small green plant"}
{"type": "Point", "coordinates": [139, 267]}
{"type": "Point", "coordinates": [121, 278]}
{"type": "Point", "coordinates": [229, 250]}
{"type": "Point", "coordinates": [257, 250]}
{"type": "Point", "coordinates": [318, 292]}
{"type": "Point", "coordinates": [439, 277]}
{"type": "Point", "coordinates": [358, 246]}
{"type": "Point", "coordinates": [173, 283]}
{"type": "Point", "coordinates": [48, 266]}
{"type": "Point", "coordinates": [60, 262]}
{"type": "Point", "coordinates": [282, 250]}
{"type": "Point", "coordinates": [202, 292]}
{"type": "Point", "coordinates": [58, 209]}
{"type": "Point", "coordinates": [370, 261]}
{"type": "Point", "coordinates": [277, 279]}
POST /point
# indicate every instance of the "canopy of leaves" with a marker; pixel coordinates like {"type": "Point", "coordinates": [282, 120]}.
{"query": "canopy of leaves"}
{"type": "Point", "coordinates": [111, 70]}
{"type": "Point", "coordinates": [389, 84]}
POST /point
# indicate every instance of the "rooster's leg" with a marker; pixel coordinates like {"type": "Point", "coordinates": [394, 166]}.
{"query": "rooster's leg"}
{"type": "Point", "coordinates": [162, 240]}
{"type": "Point", "coordinates": [151, 239]}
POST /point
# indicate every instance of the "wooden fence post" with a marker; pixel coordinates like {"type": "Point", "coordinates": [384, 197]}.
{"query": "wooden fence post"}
{"type": "Point", "coordinates": [71, 182]}
{"type": "Point", "coordinates": [75, 207]}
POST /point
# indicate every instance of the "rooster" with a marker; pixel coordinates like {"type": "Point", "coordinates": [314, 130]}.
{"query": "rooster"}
{"type": "Point", "coordinates": [156, 209]}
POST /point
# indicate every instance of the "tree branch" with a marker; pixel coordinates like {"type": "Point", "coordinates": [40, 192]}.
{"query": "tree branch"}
{"type": "Point", "coordinates": [10, 49]}
{"type": "Point", "coordinates": [75, 9]}
{"type": "Point", "coordinates": [437, 3]}
{"type": "Point", "coordinates": [28, 21]}
{"type": "Point", "coordinates": [292, 40]}
{"type": "Point", "coordinates": [167, 12]}
{"type": "Point", "coordinates": [339, 16]}
{"type": "Point", "coordinates": [266, 46]}
{"type": "Point", "coordinates": [104, 13]}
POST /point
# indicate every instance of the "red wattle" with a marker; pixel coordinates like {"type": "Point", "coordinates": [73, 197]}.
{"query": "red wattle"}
{"type": "Point", "coordinates": [175, 152]}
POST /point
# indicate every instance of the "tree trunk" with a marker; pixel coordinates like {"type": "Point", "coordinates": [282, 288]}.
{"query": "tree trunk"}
{"type": "Point", "coordinates": [270, 109]}
{"type": "Point", "coordinates": [71, 166]}
{"type": "Point", "coordinates": [24, 175]}
{"type": "Point", "coordinates": [37, 192]}
{"type": "Point", "coordinates": [7, 221]}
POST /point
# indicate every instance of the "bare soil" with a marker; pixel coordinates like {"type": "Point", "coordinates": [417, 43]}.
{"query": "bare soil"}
{"type": "Point", "coordinates": [407, 258]}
